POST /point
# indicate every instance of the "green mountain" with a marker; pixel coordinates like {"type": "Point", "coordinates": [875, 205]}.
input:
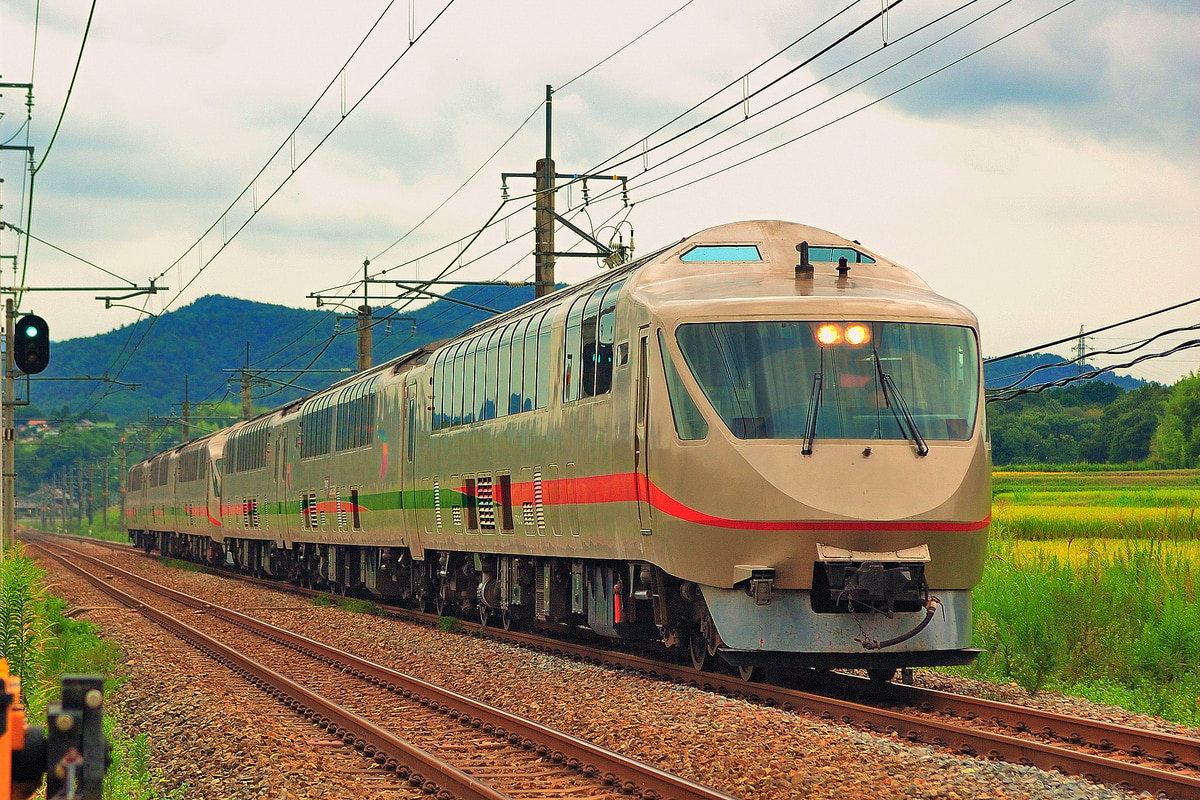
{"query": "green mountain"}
{"type": "Point", "coordinates": [203, 341]}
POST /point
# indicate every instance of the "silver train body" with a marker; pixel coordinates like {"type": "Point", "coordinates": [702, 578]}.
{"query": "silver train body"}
{"type": "Point", "coordinates": [765, 443]}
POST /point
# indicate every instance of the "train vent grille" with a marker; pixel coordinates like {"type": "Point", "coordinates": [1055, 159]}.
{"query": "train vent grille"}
{"type": "Point", "coordinates": [191, 515]}
{"type": "Point", "coordinates": [539, 510]}
{"type": "Point", "coordinates": [527, 517]}
{"type": "Point", "coordinates": [250, 512]}
{"type": "Point", "coordinates": [342, 518]}
{"type": "Point", "coordinates": [266, 516]}
{"type": "Point", "coordinates": [437, 504]}
{"type": "Point", "coordinates": [456, 516]}
{"type": "Point", "coordinates": [485, 502]}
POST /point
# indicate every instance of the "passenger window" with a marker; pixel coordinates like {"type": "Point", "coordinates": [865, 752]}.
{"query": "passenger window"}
{"type": "Point", "coordinates": [506, 337]}
{"type": "Point", "coordinates": [516, 368]}
{"type": "Point", "coordinates": [571, 366]}
{"type": "Point", "coordinates": [545, 332]}
{"type": "Point", "coordinates": [529, 384]}
{"type": "Point", "coordinates": [480, 376]}
{"type": "Point", "coordinates": [587, 347]}
{"type": "Point", "coordinates": [468, 404]}
{"type": "Point", "coordinates": [489, 376]}
{"type": "Point", "coordinates": [456, 393]}
{"type": "Point", "coordinates": [605, 337]}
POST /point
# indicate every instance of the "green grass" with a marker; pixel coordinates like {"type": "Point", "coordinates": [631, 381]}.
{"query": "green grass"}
{"type": "Point", "coordinates": [39, 636]}
{"type": "Point", "coordinates": [1092, 588]}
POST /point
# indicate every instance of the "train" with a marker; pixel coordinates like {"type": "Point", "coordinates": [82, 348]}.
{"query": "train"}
{"type": "Point", "coordinates": [763, 445]}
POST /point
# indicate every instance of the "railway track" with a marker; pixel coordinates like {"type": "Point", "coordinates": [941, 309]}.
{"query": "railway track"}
{"type": "Point", "coordinates": [1134, 758]}
{"type": "Point", "coordinates": [452, 747]}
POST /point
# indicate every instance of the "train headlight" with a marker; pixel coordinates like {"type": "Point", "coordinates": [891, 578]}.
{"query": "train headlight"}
{"type": "Point", "coordinates": [829, 334]}
{"type": "Point", "coordinates": [857, 334]}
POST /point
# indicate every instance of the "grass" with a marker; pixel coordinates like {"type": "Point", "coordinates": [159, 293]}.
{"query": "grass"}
{"type": "Point", "coordinates": [44, 642]}
{"type": "Point", "coordinates": [1092, 588]}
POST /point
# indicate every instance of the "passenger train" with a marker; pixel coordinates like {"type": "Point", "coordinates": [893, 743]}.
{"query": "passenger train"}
{"type": "Point", "coordinates": [763, 443]}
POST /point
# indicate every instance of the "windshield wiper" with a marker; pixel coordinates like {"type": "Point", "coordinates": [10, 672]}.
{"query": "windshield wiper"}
{"type": "Point", "coordinates": [895, 402]}
{"type": "Point", "coordinates": [814, 407]}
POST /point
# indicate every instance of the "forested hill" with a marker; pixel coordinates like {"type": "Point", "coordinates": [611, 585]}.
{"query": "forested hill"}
{"type": "Point", "coordinates": [1020, 371]}
{"type": "Point", "coordinates": [210, 335]}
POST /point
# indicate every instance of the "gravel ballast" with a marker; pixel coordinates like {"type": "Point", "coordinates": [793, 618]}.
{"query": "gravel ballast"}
{"type": "Point", "coordinates": [220, 737]}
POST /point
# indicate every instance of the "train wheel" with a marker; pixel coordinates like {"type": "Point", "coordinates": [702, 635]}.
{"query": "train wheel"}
{"type": "Point", "coordinates": [507, 620]}
{"type": "Point", "coordinates": [485, 614]}
{"type": "Point", "coordinates": [698, 649]}
{"type": "Point", "coordinates": [750, 674]}
{"type": "Point", "coordinates": [439, 604]}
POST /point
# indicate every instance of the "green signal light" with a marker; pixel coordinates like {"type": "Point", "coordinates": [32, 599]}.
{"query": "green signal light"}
{"type": "Point", "coordinates": [31, 331]}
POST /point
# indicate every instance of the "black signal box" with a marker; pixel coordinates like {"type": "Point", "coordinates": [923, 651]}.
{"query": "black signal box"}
{"type": "Point", "coordinates": [31, 344]}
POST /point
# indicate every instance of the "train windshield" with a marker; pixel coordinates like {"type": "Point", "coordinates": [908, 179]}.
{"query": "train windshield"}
{"type": "Point", "coordinates": [866, 380]}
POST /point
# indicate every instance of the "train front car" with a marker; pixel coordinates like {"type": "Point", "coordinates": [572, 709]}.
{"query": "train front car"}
{"type": "Point", "coordinates": [818, 472]}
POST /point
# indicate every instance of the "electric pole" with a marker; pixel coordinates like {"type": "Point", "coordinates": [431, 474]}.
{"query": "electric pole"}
{"type": "Point", "coordinates": [364, 324]}
{"type": "Point", "coordinates": [185, 429]}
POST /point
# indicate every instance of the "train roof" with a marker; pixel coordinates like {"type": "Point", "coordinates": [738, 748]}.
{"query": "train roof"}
{"type": "Point", "coordinates": [748, 266]}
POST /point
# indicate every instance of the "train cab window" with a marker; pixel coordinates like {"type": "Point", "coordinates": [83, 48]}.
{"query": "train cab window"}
{"type": "Point", "coordinates": [759, 377]}
{"type": "Point", "coordinates": [723, 252]}
{"type": "Point", "coordinates": [689, 424]}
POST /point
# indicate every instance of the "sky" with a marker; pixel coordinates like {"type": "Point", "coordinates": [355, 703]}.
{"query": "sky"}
{"type": "Point", "coordinates": [1048, 182]}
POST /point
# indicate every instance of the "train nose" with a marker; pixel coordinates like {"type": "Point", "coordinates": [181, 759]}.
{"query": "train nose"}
{"type": "Point", "coordinates": [882, 480]}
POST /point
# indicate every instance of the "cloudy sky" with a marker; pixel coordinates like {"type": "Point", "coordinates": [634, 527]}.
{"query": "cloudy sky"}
{"type": "Point", "coordinates": [1050, 181]}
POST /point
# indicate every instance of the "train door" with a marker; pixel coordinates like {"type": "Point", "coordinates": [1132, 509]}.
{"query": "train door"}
{"type": "Point", "coordinates": [282, 480]}
{"type": "Point", "coordinates": [641, 431]}
{"type": "Point", "coordinates": [411, 497]}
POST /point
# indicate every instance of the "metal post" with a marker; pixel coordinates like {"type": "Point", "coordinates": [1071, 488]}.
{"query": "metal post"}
{"type": "Point", "coordinates": [91, 491]}
{"type": "Point", "coordinates": [245, 394]}
{"type": "Point", "coordinates": [104, 494]}
{"type": "Point", "coordinates": [364, 324]}
{"type": "Point", "coordinates": [10, 450]}
{"type": "Point", "coordinates": [544, 215]}
{"type": "Point", "coordinates": [185, 426]}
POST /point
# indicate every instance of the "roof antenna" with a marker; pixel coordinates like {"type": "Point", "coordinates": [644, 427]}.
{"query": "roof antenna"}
{"type": "Point", "coordinates": [843, 267]}
{"type": "Point", "coordinates": [804, 268]}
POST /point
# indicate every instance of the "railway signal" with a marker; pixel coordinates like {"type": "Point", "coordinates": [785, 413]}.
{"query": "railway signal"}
{"type": "Point", "coordinates": [31, 344]}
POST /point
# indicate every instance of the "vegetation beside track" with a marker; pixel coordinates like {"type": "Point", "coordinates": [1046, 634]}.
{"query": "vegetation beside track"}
{"type": "Point", "coordinates": [1092, 588]}
{"type": "Point", "coordinates": [41, 643]}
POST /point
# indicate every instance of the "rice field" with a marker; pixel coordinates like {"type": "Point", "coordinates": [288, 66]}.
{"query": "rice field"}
{"type": "Point", "coordinates": [1092, 588]}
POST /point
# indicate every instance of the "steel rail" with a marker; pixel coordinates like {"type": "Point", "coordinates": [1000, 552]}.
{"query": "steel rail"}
{"type": "Point", "coordinates": [630, 775]}
{"type": "Point", "coordinates": [390, 751]}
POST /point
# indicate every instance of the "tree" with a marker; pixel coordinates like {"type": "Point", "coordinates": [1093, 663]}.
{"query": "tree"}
{"type": "Point", "coordinates": [1176, 443]}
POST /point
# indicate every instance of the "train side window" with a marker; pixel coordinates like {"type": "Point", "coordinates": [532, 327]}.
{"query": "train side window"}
{"type": "Point", "coordinates": [468, 402]}
{"type": "Point", "coordinates": [605, 336]}
{"type": "Point", "coordinates": [529, 384]}
{"type": "Point", "coordinates": [504, 369]}
{"type": "Point", "coordinates": [587, 344]}
{"type": "Point", "coordinates": [545, 332]}
{"type": "Point", "coordinates": [516, 366]}
{"type": "Point", "coordinates": [571, 366]}
{"type": "Point", "coordinates": [689, 424]}
{"type": "Point", "coordinates": [438, 368]}
{"type": "Point", "coordinates": [491, 375]}
{"type": "Point", "coordinates": [460, 354]}
{"type": "Point", "coordinates": [412, 422]}
{"type": "Point", "coordinates": [472, 506]}
{"type": "Point", "coordinates": [356, 518]}
{"type": "Point", "coordinates": [480, 376]}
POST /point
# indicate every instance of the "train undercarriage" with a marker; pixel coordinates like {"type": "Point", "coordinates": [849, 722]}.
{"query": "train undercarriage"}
{"type": "Point", "coordinates": [629, 601]}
